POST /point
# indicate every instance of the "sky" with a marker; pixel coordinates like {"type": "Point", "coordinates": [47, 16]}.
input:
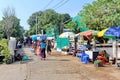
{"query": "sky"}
{"type": "Point", "coordinates": [25, 8]}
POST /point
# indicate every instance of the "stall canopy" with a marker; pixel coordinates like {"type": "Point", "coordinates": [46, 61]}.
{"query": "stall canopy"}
{"type": "Point", "coordinates": [113, 32]}
{"type": "Point", "coordinates": [66, 35]}
{"type": "Point", "coordinates": [101, 33]}
{"type": "Point", "coordinates": [89, 33]}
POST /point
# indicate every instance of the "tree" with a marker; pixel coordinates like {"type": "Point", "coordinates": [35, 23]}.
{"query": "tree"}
{"type": "Point", "coordinates": [73, 26]}
{"type": "Point", "coordinates": [8, 21]}
{"type": "Point", "coordinates": [1, 30]}
{"type": "Point", "coordinates": [10, 25]}
{"type": "Point", "coordinates": [47, 19]}
{"type": "Point", "coordinates": [101, 14]}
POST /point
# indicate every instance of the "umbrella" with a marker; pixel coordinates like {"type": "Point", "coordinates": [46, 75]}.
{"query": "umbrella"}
{"type": "Point", "coordinates": [101, 33]}
{"type": "Point", "coordinates": [34, 37]}
{"type": "Point", "coordinates": [113, 32]}
{"type": "Point", "coordinates": [89, 33]}
{"type": "Point", "coordinates": [66, 35]}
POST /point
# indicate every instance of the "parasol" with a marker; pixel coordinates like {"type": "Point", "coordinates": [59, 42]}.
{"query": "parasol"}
{"type": "Point", "coordinates": [101, 33]}
{"type": "Point", "coordinates": [114, 33]}
{"type": "Point", "coordinates": [66, 35]}
{"type": "Point", "coordinates": [89, 33]}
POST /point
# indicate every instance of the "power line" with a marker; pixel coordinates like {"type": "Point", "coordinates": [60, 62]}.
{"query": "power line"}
{"type": "Point", "coordinates": [61, 4]}
{"type": "Point", "coordinates": [67, 20]}
{"type": "Point", "coordinates": [48, 4]}
{"type": "Point", "coordinates": [58, 3]}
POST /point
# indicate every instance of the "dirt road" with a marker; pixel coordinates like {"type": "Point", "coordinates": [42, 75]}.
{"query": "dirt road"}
{"type": "Point", "coordinates": [56, 67]}
{"type": "Point", "coordinates": [59, 67]}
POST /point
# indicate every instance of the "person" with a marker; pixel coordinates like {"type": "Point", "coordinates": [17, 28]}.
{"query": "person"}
{"type": "Point", "coordinates": [49, 47]}
{"type": "Point", "coordinates": [17, 56]}
{"type": "Point", "coordinates": [106, 55]}
{"type": "Point", "coordinates": [43, 47]}
{"type": "Point", "coordinates": [19, 44]}
{"type": "Point", "coordinates": [29, 41]}
{"type": "Point", "coordinates": [38, 48]}
{"type": "Point", "coordinates": [88, 45]}
{"type": "Point", "coordinates": [35, 47]}
{"type": "Point", "coordinates": [24, 42]}
{"type": "Point", "coordinates": [102, 58]}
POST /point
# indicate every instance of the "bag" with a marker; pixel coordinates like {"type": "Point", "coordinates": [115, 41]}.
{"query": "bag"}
{"type": "Point", "coordinates": [98, 63]}
{"type": "Point", "coordinates": [24, 58]}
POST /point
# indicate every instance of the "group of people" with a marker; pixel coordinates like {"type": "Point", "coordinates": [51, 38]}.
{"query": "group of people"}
{"type": "Point", "coordinates": [40, 48]}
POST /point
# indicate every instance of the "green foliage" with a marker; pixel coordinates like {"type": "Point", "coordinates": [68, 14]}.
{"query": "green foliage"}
{"type": "Point", "coordinates": [46, 19]}
{"type": "Point", "coordinates": [10, 24]}
{"type": "Point", "coordinates": [101, 14]}
{"type": "Point", "coordinates": [4, 50]}
{"type": "Point", "coordinates": [16, 29]}
{"type": "Point", "coordinates": [1, 30]}
{"type": "Point", "coordinates": [73, 26]}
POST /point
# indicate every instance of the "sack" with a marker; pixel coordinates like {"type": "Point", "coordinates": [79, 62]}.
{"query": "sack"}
{"type": "Point", "coordinates": [24, 58]}
{"type": "Point", "coordinates": [98, 63]}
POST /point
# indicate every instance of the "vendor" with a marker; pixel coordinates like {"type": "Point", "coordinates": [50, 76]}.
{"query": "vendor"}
{"type": "Point", "coordinates": [102, 58]}
{"type": "Point", "coordinates": [17, 56]}
{"type": "Point", "coordinates": [19, 44]}
{"type": "Point", "coordinates": [88, 45]}
{"type": "Point", "coordinates": [106, 55]}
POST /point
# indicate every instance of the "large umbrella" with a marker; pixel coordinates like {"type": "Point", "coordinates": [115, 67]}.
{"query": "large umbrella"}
{"type": "Point", "coordinates": [114, 33]}
{"type": "Point", "coordinates": [66, 35]}
{"type": "Point", "coordinates": [101, 33]}
{"type": "Point", "coordinates": [89, 33]}
{"type": "Point", "coordinates": [34, 37]}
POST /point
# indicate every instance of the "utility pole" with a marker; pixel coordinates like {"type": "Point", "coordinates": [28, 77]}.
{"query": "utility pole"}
{"type": "Point", "coordinates": [36, 25]}
{"type": "Point", "coordinates": [42, 32]}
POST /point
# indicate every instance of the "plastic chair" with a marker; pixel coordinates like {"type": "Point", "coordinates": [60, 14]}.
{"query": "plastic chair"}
{"type": "Point", "coordinates": [86, 59]}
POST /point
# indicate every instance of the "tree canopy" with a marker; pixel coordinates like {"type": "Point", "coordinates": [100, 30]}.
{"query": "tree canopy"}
{"type": "Point", "coordinates": [101, 14]}
{"type": "Point", "coordinates": [46, 19]}
{"type": "Point", "coordinates": [10, 24]}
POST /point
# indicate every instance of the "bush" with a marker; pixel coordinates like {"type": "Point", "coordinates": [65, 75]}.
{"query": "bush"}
{"type": "Point", "coordinates": [4, 50]}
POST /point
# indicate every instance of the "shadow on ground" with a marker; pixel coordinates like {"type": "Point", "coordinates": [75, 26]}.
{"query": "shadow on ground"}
{"type": "Point", "coordinates": [57, 60]}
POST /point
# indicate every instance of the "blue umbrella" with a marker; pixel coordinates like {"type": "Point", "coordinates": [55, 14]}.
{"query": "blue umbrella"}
{"type": "Point", "coordinates": [34, 37]}
{"type": "Point", "coordinates": [113, 32]}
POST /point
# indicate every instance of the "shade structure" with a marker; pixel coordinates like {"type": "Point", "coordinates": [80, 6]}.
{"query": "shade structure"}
{"type": "Point", "coordinates": [66, 35]}
{"type": "Point", "coordinates": [101, 33]}
{"type": "Point", "coordinates": [89, 33]}
{"type": "Point", "coordinates": [34, 37]}
{"type": "Point", "coordinates": [113, 32]}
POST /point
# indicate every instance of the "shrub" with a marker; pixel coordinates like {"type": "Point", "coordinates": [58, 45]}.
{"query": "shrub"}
{"type": "Point", "coordinates": [4, 50]}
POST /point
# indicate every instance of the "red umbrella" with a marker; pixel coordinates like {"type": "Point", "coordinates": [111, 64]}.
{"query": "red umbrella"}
{"type": "Point", "coordinates": [86, 33]}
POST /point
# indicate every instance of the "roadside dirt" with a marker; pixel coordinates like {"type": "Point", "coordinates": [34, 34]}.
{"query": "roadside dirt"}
{"type": "Point", "coordinates": [88, 71]}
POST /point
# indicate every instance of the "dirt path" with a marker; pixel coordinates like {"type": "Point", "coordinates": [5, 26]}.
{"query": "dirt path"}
{"type": "Point", "coordinates": [58, 67]}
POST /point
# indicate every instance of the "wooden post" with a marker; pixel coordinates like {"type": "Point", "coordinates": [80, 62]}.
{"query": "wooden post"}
{"type": "Point", "coordinates": [115, 50]}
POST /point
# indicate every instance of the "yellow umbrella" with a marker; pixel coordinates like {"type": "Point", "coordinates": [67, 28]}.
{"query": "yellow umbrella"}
{"type": "Point", "coordinates": [101, 33]}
